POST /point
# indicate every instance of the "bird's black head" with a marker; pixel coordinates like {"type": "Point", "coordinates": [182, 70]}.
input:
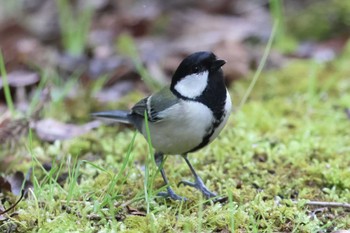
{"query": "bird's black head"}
{"type": "Point", "coordinates": [196, 73]}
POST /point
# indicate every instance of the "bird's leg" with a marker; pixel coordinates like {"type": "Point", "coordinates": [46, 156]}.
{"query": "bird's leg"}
{"type": "Point", "coordinates": [159, 157]}
{"type": "Point", "coordinates": [198, 184]}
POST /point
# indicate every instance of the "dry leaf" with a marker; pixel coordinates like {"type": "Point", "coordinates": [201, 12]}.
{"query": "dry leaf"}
{"type": "Point", "coordinates": [51, 130]}
{"type": "Point", "coordinates": [115, 92]}
{"type": "Point", "coordinates": [21, 78]}
{"type": "Point", "coordinates": [13, 183]}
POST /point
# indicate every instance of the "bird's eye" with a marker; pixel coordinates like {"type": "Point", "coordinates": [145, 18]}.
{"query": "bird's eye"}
{"type": "Point", "coordinates": [195, 69]}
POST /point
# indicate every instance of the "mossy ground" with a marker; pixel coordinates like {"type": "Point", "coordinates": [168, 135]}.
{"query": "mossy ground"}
{"type": "Point", "coordinates": [290, 140]}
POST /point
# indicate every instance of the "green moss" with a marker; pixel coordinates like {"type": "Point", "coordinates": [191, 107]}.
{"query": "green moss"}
{"type": "Point", "coordinates": [319, 20]}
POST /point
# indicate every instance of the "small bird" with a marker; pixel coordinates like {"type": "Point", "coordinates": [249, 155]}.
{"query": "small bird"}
{"type": "Point", "coordinates": [184, 117]}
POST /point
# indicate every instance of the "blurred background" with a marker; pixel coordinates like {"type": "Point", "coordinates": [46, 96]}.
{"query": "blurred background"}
{"type": "Point", "coordinates": [121, 41]}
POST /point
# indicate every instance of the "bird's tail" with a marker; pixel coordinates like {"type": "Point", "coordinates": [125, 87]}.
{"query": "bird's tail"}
{"type": "Point", "coordinates": [117, 115]}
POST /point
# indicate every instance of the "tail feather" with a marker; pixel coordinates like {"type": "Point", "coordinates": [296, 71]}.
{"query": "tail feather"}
{"type": "Point", "coordinates": [117, 115]}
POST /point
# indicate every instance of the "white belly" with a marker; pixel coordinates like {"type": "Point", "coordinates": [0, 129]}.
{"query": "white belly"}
{"type": "Point", "coordinates": [182, 130]}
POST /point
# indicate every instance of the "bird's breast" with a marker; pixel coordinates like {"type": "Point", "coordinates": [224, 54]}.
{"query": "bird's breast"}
{"type": "Point", "coordinates": [182, 127]}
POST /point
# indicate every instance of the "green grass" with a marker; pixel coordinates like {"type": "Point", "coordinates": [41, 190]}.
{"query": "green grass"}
{"type": "Point", "coordinates": [74, 26]}
{"type": "Point", "coordinates": [284, 39]}
{"type": "Point", "coordinates": [6, 87]}
{"type": "Point", "coordinates": [148, 181]}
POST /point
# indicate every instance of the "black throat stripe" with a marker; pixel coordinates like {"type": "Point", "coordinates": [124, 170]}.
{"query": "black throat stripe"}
{"type": "Point", "coordinates": [206, 138]}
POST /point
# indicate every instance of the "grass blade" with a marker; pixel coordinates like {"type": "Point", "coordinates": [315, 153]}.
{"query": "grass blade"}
{"type": "Point", "coordinates": [6, 87]}
{"type": "Point", "coordinates": [127, 47]}
{"type": "Point", "coordinates": [148, 182]}
{"type": "Point", "coordinates": [261, 64]}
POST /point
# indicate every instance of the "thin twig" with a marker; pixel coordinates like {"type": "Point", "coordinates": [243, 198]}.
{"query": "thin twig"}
{"type": "Point", "coordinates": [14, 205]}
{"type": "Point", "coordinates": [326, 204]}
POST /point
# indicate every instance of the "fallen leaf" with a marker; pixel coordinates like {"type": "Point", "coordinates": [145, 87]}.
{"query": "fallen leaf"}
{"type": "Point", "coordinates": [51, 130]}
{"type": "Point", "coordinates": [21, 78]}
{"type": "Point", "coordinates": [4, 185]}
{"type": "Point", "coordinates": [115, 92]}
{"type": "Point", "coordinates": [16, 181]}
{"type": "Point", "coordinates": [13, 183]}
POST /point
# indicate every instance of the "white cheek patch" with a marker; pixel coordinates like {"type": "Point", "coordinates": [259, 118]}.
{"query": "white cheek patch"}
{"type": "Point", "coordinates": [192, 85]}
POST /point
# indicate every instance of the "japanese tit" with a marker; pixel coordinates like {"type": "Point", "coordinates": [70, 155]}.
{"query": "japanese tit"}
{"type": "Point", "coordinates": [184, 117]}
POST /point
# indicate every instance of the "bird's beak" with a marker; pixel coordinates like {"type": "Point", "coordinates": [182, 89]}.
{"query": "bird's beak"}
{"type": "Point", "coordinates": [217, 64]}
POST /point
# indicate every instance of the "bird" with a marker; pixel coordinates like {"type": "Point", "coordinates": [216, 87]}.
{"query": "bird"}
{"type": "Point", "coordinates": [183, 117]}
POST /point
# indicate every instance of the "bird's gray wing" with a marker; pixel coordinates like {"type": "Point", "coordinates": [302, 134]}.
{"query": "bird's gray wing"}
{"type": "Point", "coordinates": [155, 104]}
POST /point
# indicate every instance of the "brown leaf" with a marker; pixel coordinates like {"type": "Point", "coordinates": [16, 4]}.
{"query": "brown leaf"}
{"type": "Point", "coordinates": [16, 180]}
{"type": "Point", "coordinates": [14, 183]}
{"type": "Point", "coordinates": [21, 78]}
{"type": "Point", "coordinates": [4, 185]}
{"type": "Point", "coordinates": [51, 130]}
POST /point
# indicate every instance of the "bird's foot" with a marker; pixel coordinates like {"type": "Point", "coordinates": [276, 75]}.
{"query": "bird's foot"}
{"type": "Point", "coordinates": [200, 186]}
{"type": "Point", "coordinates": [172, 195]}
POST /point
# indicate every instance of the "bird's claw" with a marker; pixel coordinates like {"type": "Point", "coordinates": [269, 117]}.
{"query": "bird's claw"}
{"type": "Point", "coordinates": [188, 183]}
{"type": "Point", "coordinates": [200, 186]}
{"type": "Point", "coordinates": [172, 195]}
